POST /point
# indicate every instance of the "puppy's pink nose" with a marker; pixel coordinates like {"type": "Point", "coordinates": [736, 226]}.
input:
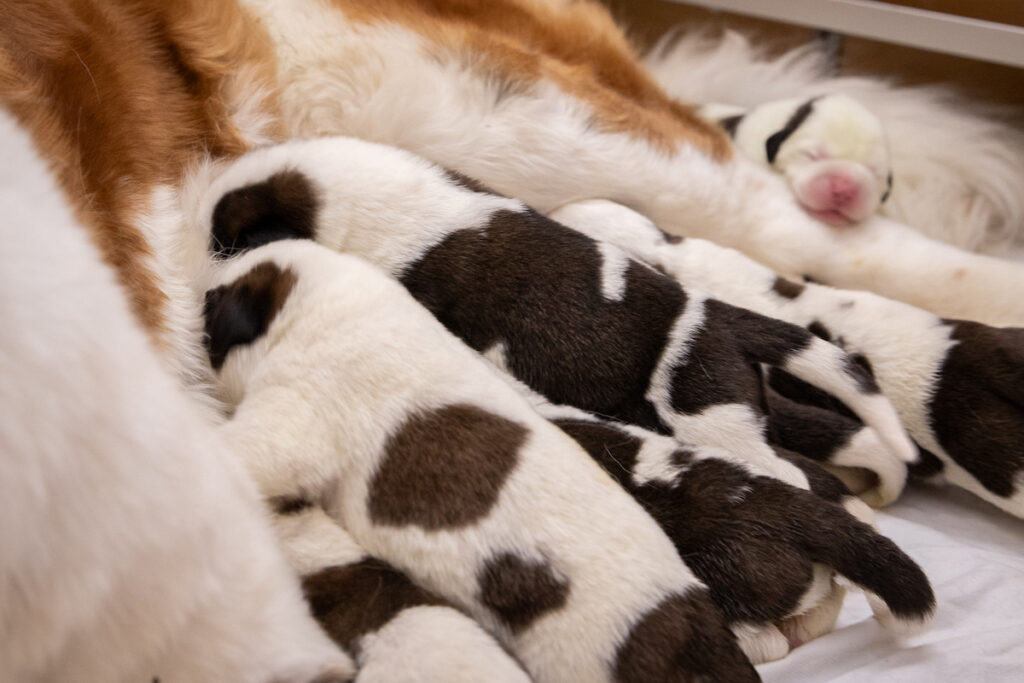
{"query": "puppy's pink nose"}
{"type": "Point", "coordinates": [835, 191]}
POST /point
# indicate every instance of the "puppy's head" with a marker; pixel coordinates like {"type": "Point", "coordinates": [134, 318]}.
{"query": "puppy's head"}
{"type": "Point", "coordinates": [834, 154]}
{"type": "Point", "coordinates": [237, 315]}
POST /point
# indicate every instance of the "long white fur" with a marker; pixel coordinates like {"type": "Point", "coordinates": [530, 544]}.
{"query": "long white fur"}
{"type": "Point", "coordinates": [906, 345]}
{"type": "Point", "coordinates": [420, 644]}
{"type": "Point", "coordinates": [384, 82]}
{"type": "Point", "coordinates": [959, 169]}
{"type": "Point", "coordinates": [344, 363]}
{"type": "Point", "coordinates": [134, 546]}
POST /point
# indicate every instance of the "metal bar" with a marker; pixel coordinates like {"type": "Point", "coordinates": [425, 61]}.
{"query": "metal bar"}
{"type": "Point", "coordinates": [986, 40]}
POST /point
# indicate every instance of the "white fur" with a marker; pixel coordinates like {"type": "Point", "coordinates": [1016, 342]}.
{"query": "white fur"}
{"type": "Point", "coordinates": [385, 83]}
{"type": "Point", "coordinates": [134, 547]}
{"type": "Point", "coordinates": [376, 357]}
{"type": "Point", "coordinates": [959, 171]}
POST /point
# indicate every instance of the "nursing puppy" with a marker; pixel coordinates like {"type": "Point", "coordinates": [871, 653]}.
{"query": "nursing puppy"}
{"type": "Point", "coordinates": [831, 149]}
{"type": "Point", "coordinates": [348, 394]}
{"type": "Point", "coordinates": [576, 320]}
{"type": "Point", "coordinates": [957, 385]}
{"type": "Point", "coordinates": [766, 550]}
{"type": "Point", "coordinates": [396, 631]}
{"type": "Point", "coordinates": [134, 546]}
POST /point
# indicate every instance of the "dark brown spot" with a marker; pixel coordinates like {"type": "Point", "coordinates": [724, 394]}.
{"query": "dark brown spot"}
{"type": "Point", "coordinates": [284, 206]}
{"type": "Point", "coordinates": [352, 600]}
{"type": "Point", "coordinates": [535, 286]}
{"type": "Point", "coordinates": [468, 183]}
{"type": "Point", "coordinates": [445, 468]}
{"type": "Point", "coordinates": [614, 449]}
{"type": "Point", "coordinates": [977, 412]}
{"type": "Point", "coordinates": [730, 123]}
{"type": "Point", "coordinates": [289, 505]}
{"type": "Point", "coordinates": [787, 289]}
{"type": "Point", "coordinates": [682, 640]}
{"type": "Point", "coordinates": [888, 188]}
{"type": "Point", "coordinates": [240, 312]}
{"type": "Point", "coordinates": [815, 432]}
{"type": "Point", "coordinates": [859, 368]}
{"type": "Point", "coordinates": [670, 238]}
{"type": "Point", "coordinates": [774, 143]}
{"type": "Point", "coordinates": [521, 591]}
{"type": "Point", "coordinates": [818, 329]}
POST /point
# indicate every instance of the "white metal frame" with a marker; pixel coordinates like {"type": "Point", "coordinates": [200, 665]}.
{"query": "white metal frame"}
{"type": "Point", "coordinates": [974, 38]}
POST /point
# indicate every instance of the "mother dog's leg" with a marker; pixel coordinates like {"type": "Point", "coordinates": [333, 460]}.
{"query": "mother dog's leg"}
{"type": "Point", "coordinates": [956, 385]}
{"type": "Point", "coordinates": [133, 549]}
{"type": "Point", "coordinates": [508, 109]}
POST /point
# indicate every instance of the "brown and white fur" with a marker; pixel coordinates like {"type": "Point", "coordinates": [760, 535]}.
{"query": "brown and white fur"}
{"type": "Point", "coordinates": [396, 631]}
{"type": "Point", "coordinates": [135, 547]}
{"type": "Point", "coordinates": [347, 393]}
{"type": "Point", "coordinates": [574, 319]}
{"type": "Point", "coordinates": [956, 384]}
{"type": "Point", "coordinates": [543, 100]}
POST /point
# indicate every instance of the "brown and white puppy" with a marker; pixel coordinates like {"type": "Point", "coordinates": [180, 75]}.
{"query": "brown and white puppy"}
{"type": "Point", "coordinates": [349, 394]}
{"type": "Point", "coordinates": [956, 384]}
{"type": "Point", "coordinates": [766, 550]}
{"type": "Point", "coordinates": [396, 631]}
{"type": "Point", "coordinates": [575, 319]}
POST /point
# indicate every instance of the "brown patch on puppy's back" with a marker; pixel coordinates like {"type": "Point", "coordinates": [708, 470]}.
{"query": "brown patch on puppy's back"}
{"type": "Point", "coordinates": [682, 639]}
{"type": "Point", "coordinates": [445, 468]}
{"type": "Point", "coordinates": [521, 591]}
{"type": "Point", "coordinates": [353, 600]}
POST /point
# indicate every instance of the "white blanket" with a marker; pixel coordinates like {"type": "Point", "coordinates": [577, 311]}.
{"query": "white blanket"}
{"type": "Point", "coordinates": [974, 556]}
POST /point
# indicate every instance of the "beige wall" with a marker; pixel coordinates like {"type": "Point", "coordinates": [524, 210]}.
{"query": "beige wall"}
{"type": "Point", "coordinates": [647, 19]}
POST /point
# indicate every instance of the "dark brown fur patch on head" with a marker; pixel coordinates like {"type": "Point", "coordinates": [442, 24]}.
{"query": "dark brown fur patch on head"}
{"type": "Point", "coordinates": [289, 505]}
{"type": "Point", "coordinates": [445, 468]}
{"type": "Point", "coordinates": [284, 206]}
{"type": "Point", "coordinates": [240, 312]}
{"type": "Point", "coordinates": [787, 289]}
{"type": "Point", "coordinates": [683, 639]}
{"type": "Point", "coordinates": [977, 412]}
{"type": "Point", "coordinates": [775, 142]}
{"type": "Point", "coordinates": [521, 591]}
{"type": "Point", "coordinates": [352, 600]}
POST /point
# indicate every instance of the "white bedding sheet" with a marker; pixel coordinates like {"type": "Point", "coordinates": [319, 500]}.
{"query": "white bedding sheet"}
{"type": "Point", "coordinates": [973, 554]}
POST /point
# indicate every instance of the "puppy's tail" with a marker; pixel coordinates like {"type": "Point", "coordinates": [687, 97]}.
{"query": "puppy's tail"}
{"type": "Point", "coordinates": [826, 366]}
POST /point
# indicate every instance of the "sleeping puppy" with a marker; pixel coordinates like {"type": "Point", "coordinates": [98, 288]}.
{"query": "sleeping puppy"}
{"type": "Point", "coordinates": [396, 631]}
{"type": "Point", "coordinates": [349, 395]}
{"type": "Point", "coordinates": [574, 319]}
{"type": "Point", "coordinates": [957, 385]}
{"type": "Point", "coordinates": [766, 550]}
{"type": "Point", "coordinates": [831, 149]}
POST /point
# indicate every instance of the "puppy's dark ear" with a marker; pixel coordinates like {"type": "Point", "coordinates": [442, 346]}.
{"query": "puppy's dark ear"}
{"type": "Point", "coordinates": [284, 206]}
{"type": "Point", "coordinates": [239, 313]}
{"type": "Point", "coordinates": [888, 188]}
{"type": "Point", "coordinates": [774, 143]}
